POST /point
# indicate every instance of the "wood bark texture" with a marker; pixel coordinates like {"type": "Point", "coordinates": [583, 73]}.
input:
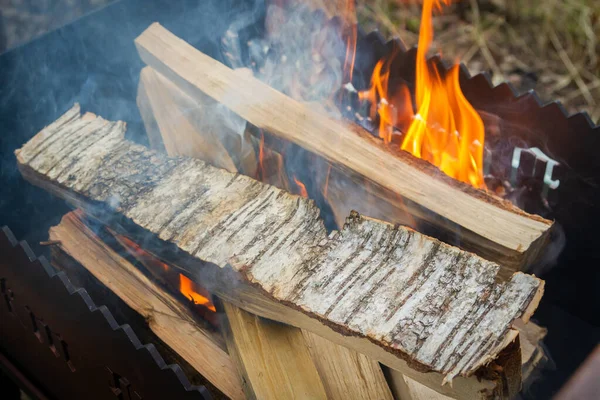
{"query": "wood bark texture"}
{"type": "Point", "coordinates": [497, 226]}
{"type": "Point", "coordinates": [421, 300]}
{"type": "Point", "coordinates": [166, 317]}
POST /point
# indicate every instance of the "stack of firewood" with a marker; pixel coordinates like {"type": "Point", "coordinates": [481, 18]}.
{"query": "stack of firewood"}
{"type": "Point", "coordinates": [375, 311]}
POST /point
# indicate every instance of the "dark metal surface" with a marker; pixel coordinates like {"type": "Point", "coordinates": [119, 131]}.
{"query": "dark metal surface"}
{"type": "Point", "coordinates": [72, 348]}
{"type": "Point", "coordinates": [13, 380]}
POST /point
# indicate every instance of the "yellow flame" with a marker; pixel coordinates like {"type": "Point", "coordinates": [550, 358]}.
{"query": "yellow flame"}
{"type": "Point", "coordinates": [445, 129]}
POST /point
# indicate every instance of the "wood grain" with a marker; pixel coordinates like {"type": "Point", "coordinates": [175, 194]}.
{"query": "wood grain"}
{"type": "Point", "coordinates": [276, 362]}
{"type": "Point", "coordinates": [346, 374]}
{"type": "Point", "coordinates": [415, 298]}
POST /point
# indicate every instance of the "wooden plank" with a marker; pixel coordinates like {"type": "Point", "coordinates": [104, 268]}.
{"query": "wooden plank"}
{"type": "Point", "coordinates": [360, 376]}
{"type": "Point", "coordinates": [496, 225]}
{"type": "Point", "coordinates": [395, 295]}
{"type": "Point", "coordinates": [274, 356]}
{"type": "Point", "coordinates": [177, 117]}
{"type": "Point", "coordinates": [346, 374]}
{"type": "Point", "coordinates": [166, 317]}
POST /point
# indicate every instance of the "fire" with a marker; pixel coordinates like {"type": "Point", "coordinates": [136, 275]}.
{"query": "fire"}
{"type": "Point", "coordinates": [187, 288]}
{"type": "Point", "coordinates": [301, 187]}
{"type": "Point", "coordinates": [445, 129]}
{"type": "Point", "coordinates": [190, 290]}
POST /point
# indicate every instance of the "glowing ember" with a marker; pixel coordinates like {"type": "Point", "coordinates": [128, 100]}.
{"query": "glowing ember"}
{"type": "Point", "coordinates": [145, 257]}
{"type": "Point", "coordinates": [350, 16]}
{"type": "Point", "coordinates": [301, 187]}
{"type": "Point", "coordinates": [445, 129]}
{"type": "Point", "coordinates": [190, 290]}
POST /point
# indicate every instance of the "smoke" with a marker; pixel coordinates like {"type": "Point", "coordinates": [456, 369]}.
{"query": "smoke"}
{"type": "Point", "coordinates": [300, 52]}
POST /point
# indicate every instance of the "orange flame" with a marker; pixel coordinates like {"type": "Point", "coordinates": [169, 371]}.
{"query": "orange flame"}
{"type": "Point", "coordinates": [445, 130]}
{"type": "Point", "coordinates": [301, 187]}
{"type": "Point", "coordinates": [190, 290]}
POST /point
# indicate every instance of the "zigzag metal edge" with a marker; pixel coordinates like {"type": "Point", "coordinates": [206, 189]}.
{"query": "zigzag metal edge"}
{"type": "Point", "coordinates": [466, 75]}
{"type": "Point", "coordinates": [114, 325]}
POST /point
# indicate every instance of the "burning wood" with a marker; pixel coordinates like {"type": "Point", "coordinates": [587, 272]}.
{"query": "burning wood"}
{"type": "Point", "coordinates": [405, 296]}
{"type": "Point", "coordinates": [500, 230]}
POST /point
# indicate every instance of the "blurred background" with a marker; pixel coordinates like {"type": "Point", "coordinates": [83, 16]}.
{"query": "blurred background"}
{"type": "Point", "coordinates": [547, 45]}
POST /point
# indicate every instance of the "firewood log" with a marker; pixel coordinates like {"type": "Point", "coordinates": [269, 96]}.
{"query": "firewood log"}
{"type": "Point", "coordinates": [276, 364]}
{"type": "Point", "coordinates": [432, 311]}
{"type": "Point", "coordinates": [172, 119]}
{"type": "Point", "coordinates": [502, 231]}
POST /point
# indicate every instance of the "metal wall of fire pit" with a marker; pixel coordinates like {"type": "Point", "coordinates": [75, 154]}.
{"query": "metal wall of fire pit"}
{"type": "Point", "coordinates": [69, 347]}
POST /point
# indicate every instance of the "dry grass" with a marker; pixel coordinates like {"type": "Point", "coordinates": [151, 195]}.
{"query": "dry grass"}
{"type": "Point", "coordinates": [549, 45]}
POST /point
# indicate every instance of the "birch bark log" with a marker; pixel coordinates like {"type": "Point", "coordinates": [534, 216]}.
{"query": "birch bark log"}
{"type": "Point", "coordinates": [417, 299]}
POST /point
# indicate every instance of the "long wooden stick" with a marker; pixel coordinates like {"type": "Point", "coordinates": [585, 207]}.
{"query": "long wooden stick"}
{"type": "Point", "coordinates": [496, 225]}
{"type": "Point", "coordinates": [388, 292]}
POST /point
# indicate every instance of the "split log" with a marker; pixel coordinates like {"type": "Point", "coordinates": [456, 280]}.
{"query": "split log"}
{"type": "Point", "coordinates": [496, 227]}
{"type": "Point", "coordinates": [166, 317]}
{"type": "Point", "coordinates": [532, 352]}
{"type": "Point", "coordinates": [250, 338]}
{"type": "Point", "coordinates": [173, 120]}
{"type": "Point", "coordinates": [405, 388]}
{"type": "Point", "coordinates": [124, 314]}
{"type": "Point", "coordinates": [429, 310]}
{"type": "Point", "coordinates": [274, 358]}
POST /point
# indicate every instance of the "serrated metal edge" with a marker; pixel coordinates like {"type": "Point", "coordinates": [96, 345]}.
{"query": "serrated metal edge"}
{"type": "Point", "coordinates": [125, 328]}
